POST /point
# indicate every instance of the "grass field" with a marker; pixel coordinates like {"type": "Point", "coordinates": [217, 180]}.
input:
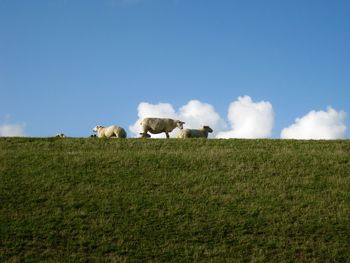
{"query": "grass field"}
{"type": "Point", "coordinates": [136, 200]}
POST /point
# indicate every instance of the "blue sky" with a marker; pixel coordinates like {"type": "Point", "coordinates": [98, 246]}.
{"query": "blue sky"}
{"type": "Point", "coordinates": [66, 66]}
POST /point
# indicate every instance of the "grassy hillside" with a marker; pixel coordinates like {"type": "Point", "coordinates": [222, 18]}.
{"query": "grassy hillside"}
{"type": "Point", "coordinates": [78, 200]}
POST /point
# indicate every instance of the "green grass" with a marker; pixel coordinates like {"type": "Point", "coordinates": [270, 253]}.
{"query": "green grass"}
{"type": "Point", "coordinates": [136, 200]}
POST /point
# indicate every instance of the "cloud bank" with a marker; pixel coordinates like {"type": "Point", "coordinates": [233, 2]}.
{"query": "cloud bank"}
{"type": "Point", "coordinates": [318, 125]}
{"type": "Point", "coordinates": [12, 130]}
{"type": "Point", "coordinates": [249, 119]}
{"type": "Point", "coordinates": [246, 119]}
{"type": "Point", "coordinates": [195, 114]}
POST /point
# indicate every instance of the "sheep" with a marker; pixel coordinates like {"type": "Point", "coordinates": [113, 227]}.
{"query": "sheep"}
{"type": "Point", "coordinates": [110, 131]}
{"type": "Point", "coordinates": [159, 125]}
{"type": "Point", "coordinates": [60, 135]}
{"type": "Point", "coordinates": [194, 133]}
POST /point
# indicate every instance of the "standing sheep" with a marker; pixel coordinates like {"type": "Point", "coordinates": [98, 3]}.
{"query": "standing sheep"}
{"type": "Point", "coordinates": [110, 131]}
{"type": "Point", "coordinates": [159, 125]}
{"type": "Point", "coordinates": [194, 133]}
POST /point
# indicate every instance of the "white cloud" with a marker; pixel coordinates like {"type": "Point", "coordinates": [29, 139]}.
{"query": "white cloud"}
{"type": "Point", "coordinates": [12, 130]}
{"type": "Point", "coordinates": [195, 114]}
{"type": "Point", "coordinates": [249, 119]}
{"type": "Point", "coordinates": [317, 125]}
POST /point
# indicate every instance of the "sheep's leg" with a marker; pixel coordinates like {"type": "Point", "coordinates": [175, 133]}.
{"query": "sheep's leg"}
{"type": "Point", "coordinates": [145, 135]}
{"type": "Point", "coordinates": [167, 135]}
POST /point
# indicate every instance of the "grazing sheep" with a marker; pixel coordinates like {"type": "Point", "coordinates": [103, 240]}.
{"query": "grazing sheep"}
{"type": "Point", "coordinates": [159, 125]}
{"type": "Point", "coordinates": [110, 131]}
{"type": "Point", "coordinates": [60, 135]}
{"type": "Point", "coordinates": [194, 133]}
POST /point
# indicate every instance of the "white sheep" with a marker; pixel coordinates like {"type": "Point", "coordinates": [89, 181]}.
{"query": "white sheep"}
{"type": "Point", "coordinates": [159, 125]}
{"type": "Point", "coordinates": [110, 131]}
{"type": "Point", "coordinates": [60, 135]}
{"type": "Point", "coordinates": [194, 133]}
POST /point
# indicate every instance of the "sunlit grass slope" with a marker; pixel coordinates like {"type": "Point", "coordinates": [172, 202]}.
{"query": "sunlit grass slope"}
{"type": "Point", "coordinates": [79, 200]}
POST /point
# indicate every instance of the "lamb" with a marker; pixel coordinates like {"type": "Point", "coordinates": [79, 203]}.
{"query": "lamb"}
{"type": "Point", "coordinates": [110, 131]}
{"type": "Point", "coordinates": [194, 133]}
{"type": "Point", "coordinates": [159, 125]}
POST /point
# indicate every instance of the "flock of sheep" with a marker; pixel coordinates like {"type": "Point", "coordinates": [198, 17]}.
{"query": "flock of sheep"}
{"type": "Point", "coordinates": [154, 126]}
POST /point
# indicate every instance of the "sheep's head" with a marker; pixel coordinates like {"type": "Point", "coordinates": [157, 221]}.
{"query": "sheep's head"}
{"type": "Point", "coordinates": [96, 128]}
{"type": "Point", "coordinates": [180, 124]}
{"type": "Point", "coordinates": [207, 128]}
